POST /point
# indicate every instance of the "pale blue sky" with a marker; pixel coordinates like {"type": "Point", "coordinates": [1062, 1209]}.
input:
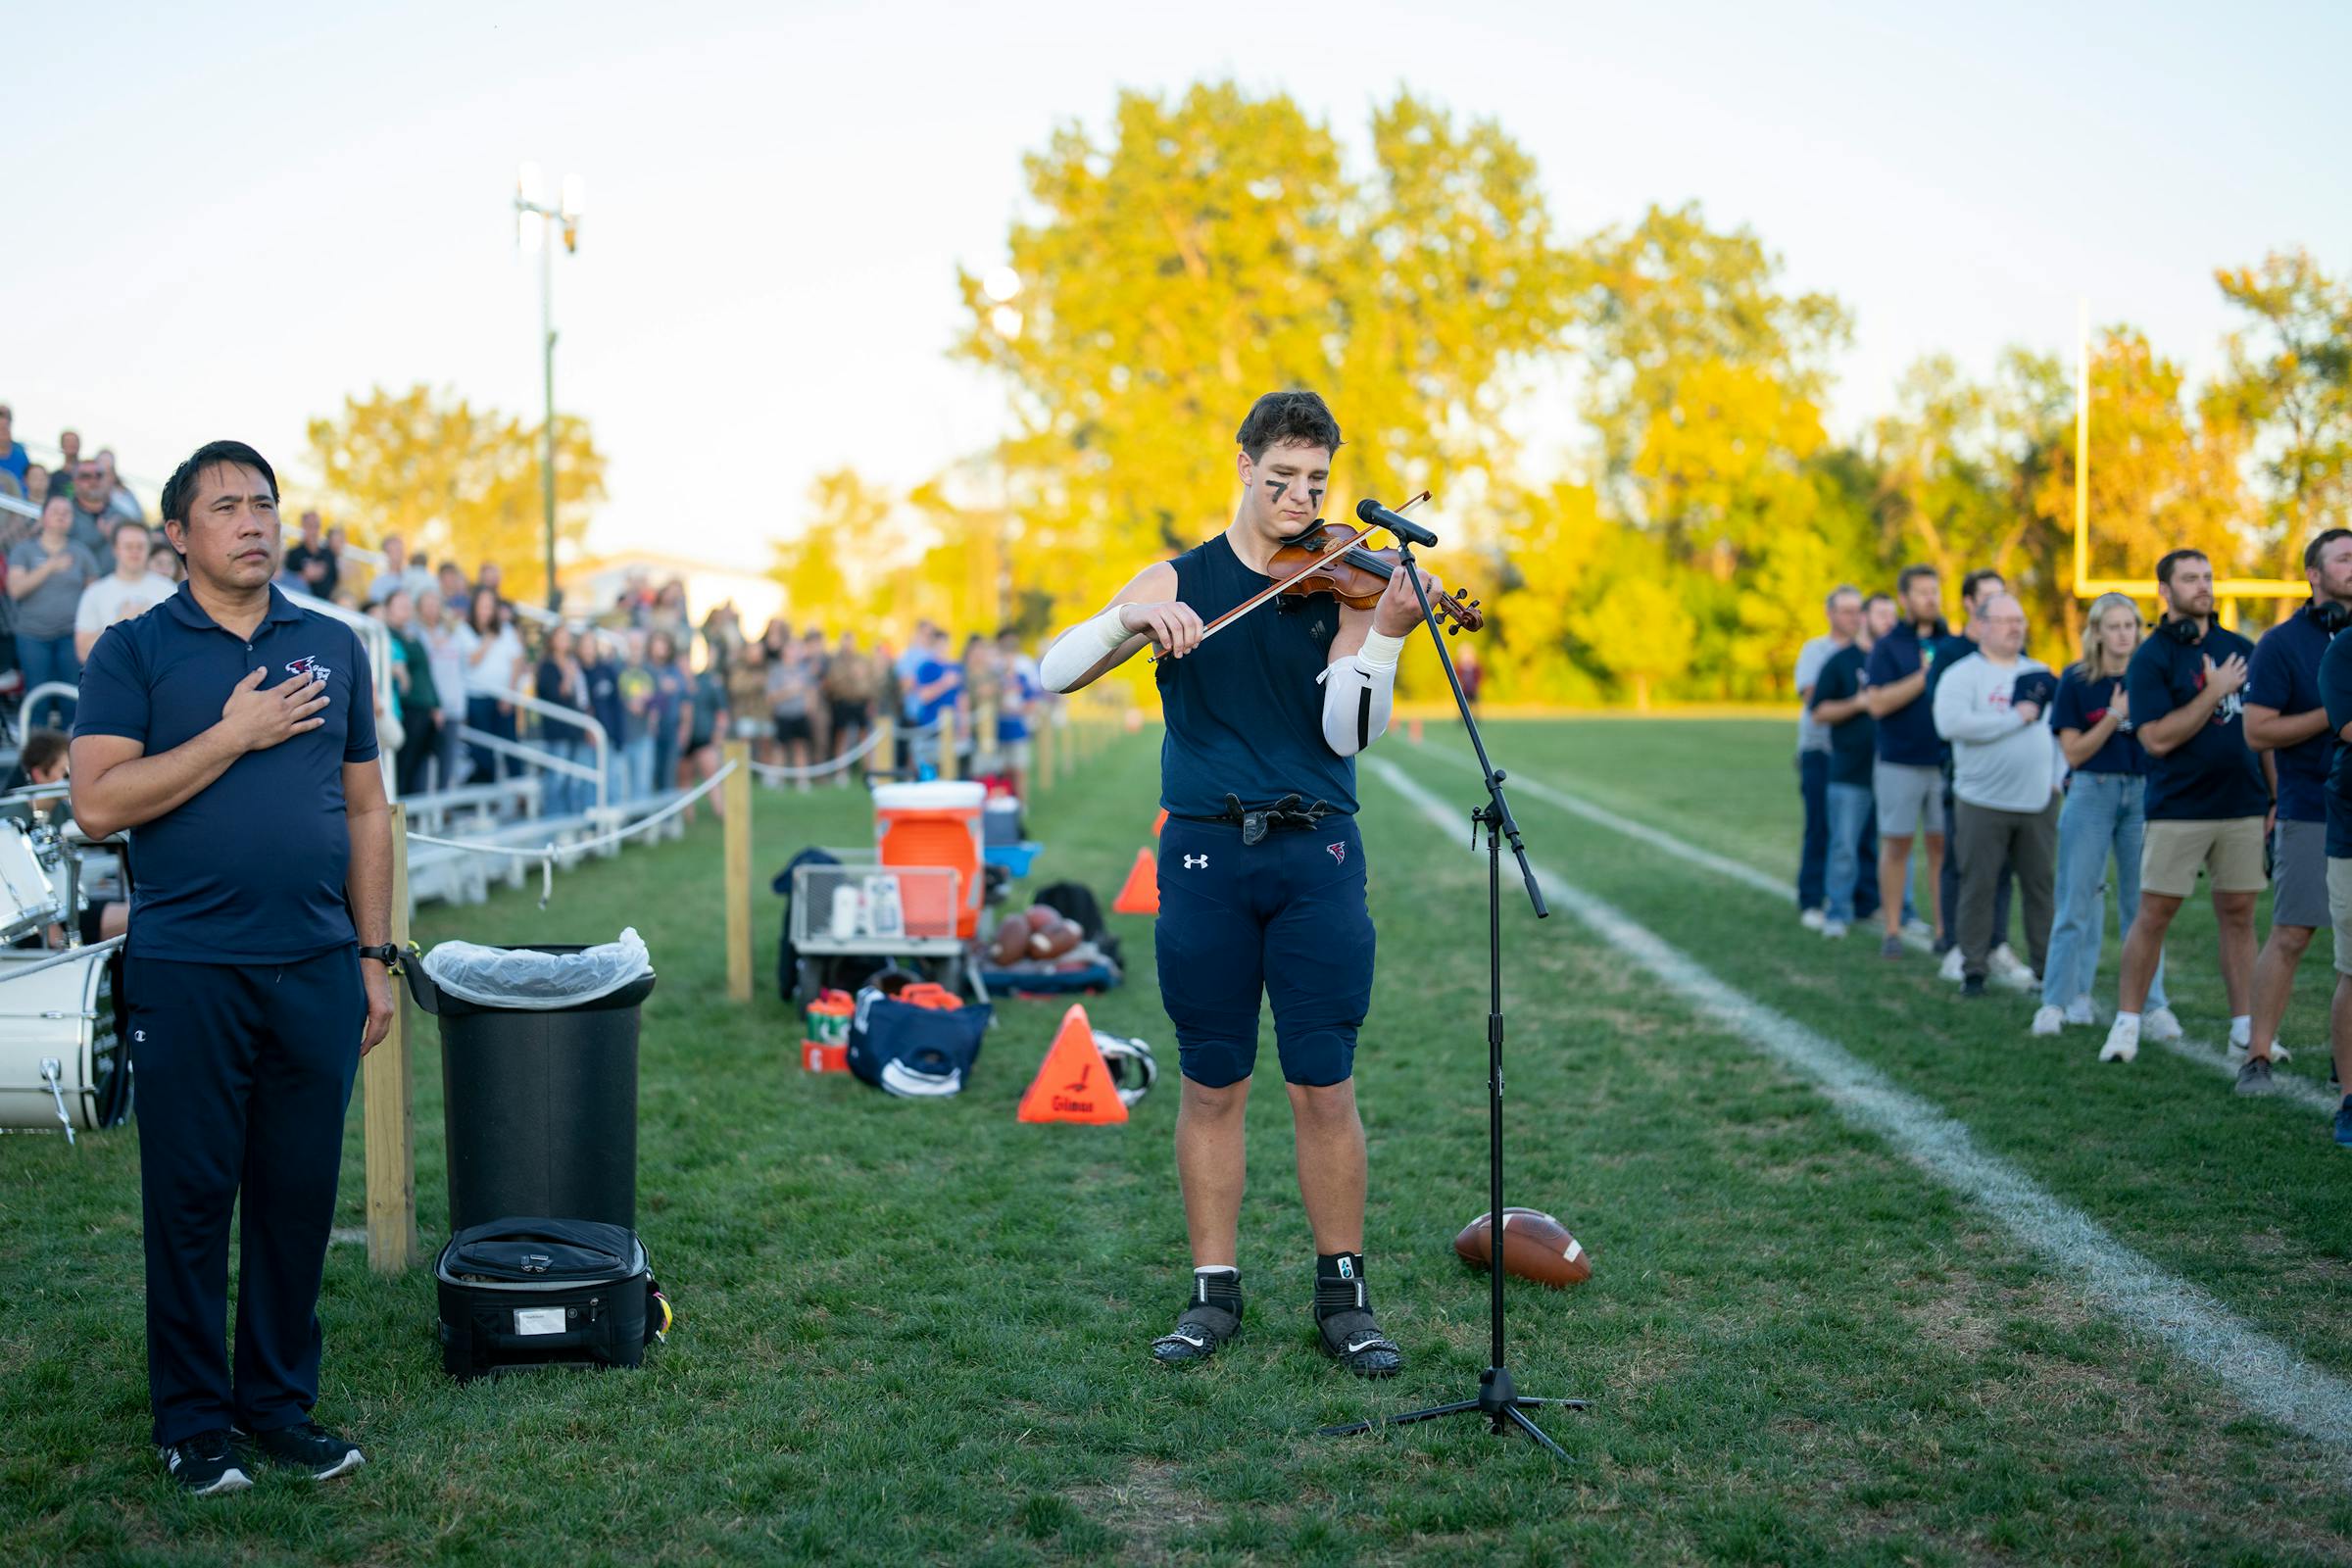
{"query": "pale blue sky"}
{"type": "Point", "coordinates": [229, 216]}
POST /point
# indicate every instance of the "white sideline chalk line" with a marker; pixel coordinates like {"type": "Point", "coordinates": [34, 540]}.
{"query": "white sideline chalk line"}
{"type": "Point", "coordinates": [2293, 1086]}
{"type": "Point", "coordinates": [2267, 1376]}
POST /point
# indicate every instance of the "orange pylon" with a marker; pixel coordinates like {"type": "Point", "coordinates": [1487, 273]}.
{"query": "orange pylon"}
{"type": "Point", "coordinates": [1140, 894]}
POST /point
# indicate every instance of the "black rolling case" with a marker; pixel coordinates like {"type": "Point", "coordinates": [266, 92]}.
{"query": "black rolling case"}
{"type": "Point", "coordinates": [539, 1292]}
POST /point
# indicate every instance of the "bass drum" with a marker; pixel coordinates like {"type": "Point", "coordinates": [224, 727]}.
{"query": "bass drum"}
{"type": "Point", "coordinates": [62, 1057]}
{"type": "Point", "coordinates": [28, 897]}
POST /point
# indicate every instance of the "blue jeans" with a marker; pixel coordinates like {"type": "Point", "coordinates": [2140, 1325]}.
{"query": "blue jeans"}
{"type": "Point", "coordinates": [1813, 787]}
{"type": "Point", "coordinates": [48, 658]}
{"type": "Point", "coordinates": [1851, 809]}
{"type": "Point", "coordinates": [638, 753]}
{"type": "Point", "coordinates": [2104, 813]}
{"type": "Point", "coordinates": [483, 713]}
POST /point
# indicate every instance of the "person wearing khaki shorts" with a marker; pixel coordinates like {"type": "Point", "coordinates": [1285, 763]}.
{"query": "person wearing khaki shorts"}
{"type": "Point", "coordinates": [2287, 722]}
{"type": "Point", "coordinates": [2207, 797]}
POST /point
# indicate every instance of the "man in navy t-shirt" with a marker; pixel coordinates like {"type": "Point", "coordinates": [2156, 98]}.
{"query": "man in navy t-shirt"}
{"type": "Point", "coordinates": [232, 736]}
{"type": "Point", "coordinates": [2207, 792]}
{"type": "Point", "coordinates": [2335, 692]}
{"type": "Point", "coordinates": [1908, 779]}
{"type": "Point", "coordinates": [2288, 723]}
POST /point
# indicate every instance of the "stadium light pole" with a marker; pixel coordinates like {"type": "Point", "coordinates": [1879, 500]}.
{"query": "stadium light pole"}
{"type": "Point", "coordinates": [533, 220]}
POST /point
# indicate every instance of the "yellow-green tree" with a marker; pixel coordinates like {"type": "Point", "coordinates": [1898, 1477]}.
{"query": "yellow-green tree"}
{"type": "Point", "coordinates": [455, 481]}
{"type": "Point", "coordinates": [2287, 390]}
{"type": "Point", "coordinates": [818, 582]}
{"type": "Point", "coordinates": [1214, 247]}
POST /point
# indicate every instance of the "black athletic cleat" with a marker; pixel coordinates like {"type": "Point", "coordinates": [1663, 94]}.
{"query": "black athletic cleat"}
{"type": "Point", "coordinates": [308, 1446]}
{"type": "Point", "coordinates": [1210, 1318]}
{"type": "Point", "coordinates": [1355, 1340]}
{"type": "Point", "coordinates": [205, 1465]}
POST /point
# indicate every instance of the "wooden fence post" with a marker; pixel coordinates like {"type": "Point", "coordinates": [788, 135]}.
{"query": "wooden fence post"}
{"type": "Point", "coordinates": [389, 1109]}
{"type": "Point", "coordinates": [884, 757]}
{"type": "Point", "coordinates": [1042, 766]}
{"type": "Point", "coordinates": [738, 788]}
{"type": "Point", "coordinates": [984, 740]}
{"type": "Point", "coordinates": [947, 743]}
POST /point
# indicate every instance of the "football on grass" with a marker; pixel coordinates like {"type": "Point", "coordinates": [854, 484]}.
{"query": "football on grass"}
{"type": "Point", "coordinates": [1535, 1247]}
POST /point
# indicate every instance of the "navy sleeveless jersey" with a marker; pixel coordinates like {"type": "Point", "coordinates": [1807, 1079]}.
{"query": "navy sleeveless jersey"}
{"type": "Point", "coordinates": [1245, 715]}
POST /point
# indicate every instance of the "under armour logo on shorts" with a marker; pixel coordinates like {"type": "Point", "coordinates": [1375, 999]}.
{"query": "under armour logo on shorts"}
{"type": "Point", "coordinates": [1338, 853]}
{"type": "Point", "coordinates": [1196, 862]}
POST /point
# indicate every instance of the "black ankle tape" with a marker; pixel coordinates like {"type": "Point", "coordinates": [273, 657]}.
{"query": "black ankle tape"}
{"type": "Point", "coordinates": [1339, 1284]}
{"type": "Point", "coordinates": [1222, 1289]}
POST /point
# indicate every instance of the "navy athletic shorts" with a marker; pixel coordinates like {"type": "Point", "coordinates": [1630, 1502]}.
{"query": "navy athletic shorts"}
{"type": "Point", "coordinates": [1283, 918]}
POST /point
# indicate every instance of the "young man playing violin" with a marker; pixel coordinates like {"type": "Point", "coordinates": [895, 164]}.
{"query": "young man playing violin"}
{"type": "Point", "coordinates": [1261, 869]}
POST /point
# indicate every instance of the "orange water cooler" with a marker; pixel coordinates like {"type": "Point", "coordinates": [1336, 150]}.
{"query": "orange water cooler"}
{"type": "Point", "coordinates": [938, 823]}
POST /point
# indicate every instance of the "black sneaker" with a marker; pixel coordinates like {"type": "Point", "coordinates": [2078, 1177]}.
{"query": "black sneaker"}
{"type": "Point", "coordinates": [1972, 984]}
{"type": "Point", "coordinates": [2254, 1078]}
{"type": "Point", "coordinates": [205, 1465]}
{"type": "Point", "coordinates": [1210, 1320]}
{"type": "Point", "coordinates": [308, 1446]}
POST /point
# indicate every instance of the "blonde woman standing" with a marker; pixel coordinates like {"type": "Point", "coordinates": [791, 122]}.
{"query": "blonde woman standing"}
{"type": "Point", "coordinates": [2105, 812]}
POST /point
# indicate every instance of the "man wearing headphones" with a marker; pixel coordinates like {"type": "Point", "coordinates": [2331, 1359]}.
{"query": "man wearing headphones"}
{"type": "Point", "coordinates": [2207, 792]}
{"type": "Point", "coordinates": [2287, 722]}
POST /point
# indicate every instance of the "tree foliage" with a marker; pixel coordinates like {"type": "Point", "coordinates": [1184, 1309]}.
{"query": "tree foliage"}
{"type": "Point", "coordinates": [455, 480]}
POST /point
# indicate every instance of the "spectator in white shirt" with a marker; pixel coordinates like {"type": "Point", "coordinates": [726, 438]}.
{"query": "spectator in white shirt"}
{"type": "Point", "coordinates": [493, 663]}
{"type": "Point", "coordinates": [126, 593]}
{"type": "Point", "coordinates": [1993, 707]}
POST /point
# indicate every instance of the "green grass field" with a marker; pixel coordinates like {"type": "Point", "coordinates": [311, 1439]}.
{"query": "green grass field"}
{"type": "Point", "coordinates": [915, 1332]}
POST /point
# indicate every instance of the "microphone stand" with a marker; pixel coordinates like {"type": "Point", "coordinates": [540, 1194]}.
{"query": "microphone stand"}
{"type": "Point", "coordinates": [1498, 1398]}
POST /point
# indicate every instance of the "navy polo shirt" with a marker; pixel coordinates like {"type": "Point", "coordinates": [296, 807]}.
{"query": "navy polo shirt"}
{"type": "Point", "coordinates": [2286, 675]}
{"type": "Point", "coordinates": [2213, 775]}
{"type": "Point", "coordinates": [1908, 734]}
{"type": "Point", "coordinates": [2335, 695]}
{"type": "Point", "coordinates": [2082, 702]}
{"type": "Point", "coordinates": [251, 868]}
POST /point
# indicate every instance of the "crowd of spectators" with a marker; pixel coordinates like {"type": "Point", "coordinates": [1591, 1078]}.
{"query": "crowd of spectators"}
{"type": "Point", "coordinates": [2174, 752]}
{"type": "Point", "coordinates": [78, 556]}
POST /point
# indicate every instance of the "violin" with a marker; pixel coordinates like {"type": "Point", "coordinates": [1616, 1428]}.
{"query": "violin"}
{"type": "Point", "coordinates": [1327, 559]}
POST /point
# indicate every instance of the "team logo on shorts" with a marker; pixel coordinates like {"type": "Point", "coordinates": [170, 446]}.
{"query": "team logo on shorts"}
{"type": "Point", "coordinates": [1196, 862]}
{"type": "Point", "coordinates": [308, 665]}
{"type": "Point", "coordinates": [1338, 853]}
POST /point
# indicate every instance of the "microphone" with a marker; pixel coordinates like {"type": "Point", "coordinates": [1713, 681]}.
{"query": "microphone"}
{"type": "Point", "coordinates": [1404, 527]}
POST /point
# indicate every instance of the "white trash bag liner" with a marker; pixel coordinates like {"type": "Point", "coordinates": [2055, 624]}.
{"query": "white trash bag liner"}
{"type": "Point", "coordinates": [525, 979]}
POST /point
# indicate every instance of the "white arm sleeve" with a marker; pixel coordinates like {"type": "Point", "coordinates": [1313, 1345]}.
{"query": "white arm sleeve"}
{"type": "Point", "coordinates": [1357, 690]}
{"type": "Point", "coordinates": [1081, 649]}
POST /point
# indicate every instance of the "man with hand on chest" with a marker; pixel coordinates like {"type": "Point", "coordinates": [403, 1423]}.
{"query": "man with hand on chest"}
{"type": "Point", "coordinates": [232, 736]}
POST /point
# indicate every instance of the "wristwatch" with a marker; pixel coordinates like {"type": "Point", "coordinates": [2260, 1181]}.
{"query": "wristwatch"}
{"type": "Point", "coordinates": [383, 953]}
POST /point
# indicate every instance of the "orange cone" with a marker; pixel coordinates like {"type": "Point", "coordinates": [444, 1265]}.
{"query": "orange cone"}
{"type": "Point", "coordinates": [1073, 1083]}
{"type": "Point", "coordinates": [1159, 821]}
{"type": "Point", "coordinates": [1140, 894]}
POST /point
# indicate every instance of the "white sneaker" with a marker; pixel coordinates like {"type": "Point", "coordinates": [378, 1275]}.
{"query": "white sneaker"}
{"type": "Point", "coordinates": [1813, 919]}
{"type": "Point", "coordinates": [1834, 930]}
{"type": "Point", "coordinates": [2161, 1025]}
{"type": "Point", "coordinates": [2020, 978]}
{"type": "Point", "coordinates": [2003, 960]}
{"type": "Point", "coordinates": [2081, 1012]}
{"type": "Point", "coordinates": [2123, 1041]}
{"type": "Point", "coordinates": [1955, 968]}
{"type": "Point", "coordinates": [1918, 932]}
{"type": "Point", "coordinates": [2239, 1053]}
{"type": "Point", "coordinates": [2049, 1021]}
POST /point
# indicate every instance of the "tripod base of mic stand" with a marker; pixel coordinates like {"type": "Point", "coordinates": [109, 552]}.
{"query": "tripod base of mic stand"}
{"type": "Point", "coordinates": [1498, 1400]}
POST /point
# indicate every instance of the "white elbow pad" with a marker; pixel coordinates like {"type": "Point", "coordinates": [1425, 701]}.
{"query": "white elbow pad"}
{"type": "Point", "coordinates": [1357, 691]}
{"type": "Point", "coordinates": [1081, 649]}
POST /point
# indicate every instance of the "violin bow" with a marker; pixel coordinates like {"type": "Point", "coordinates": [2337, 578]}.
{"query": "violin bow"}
{"type": "Point", "coordinates": [1271, 590]}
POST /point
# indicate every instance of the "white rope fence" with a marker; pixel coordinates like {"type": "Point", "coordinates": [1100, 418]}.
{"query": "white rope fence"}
{"type": "Point", "coordinates": [776, 772]}
{"type": "Point", "coordinates": [547, 853]}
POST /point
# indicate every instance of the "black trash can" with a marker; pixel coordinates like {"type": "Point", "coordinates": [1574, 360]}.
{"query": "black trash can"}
{"type": "Point", "coordinates": [540, 1105]}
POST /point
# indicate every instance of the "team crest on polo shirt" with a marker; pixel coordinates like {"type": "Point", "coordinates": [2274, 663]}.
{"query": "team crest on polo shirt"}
{"type": "Point", "coordinates": [308, 665]}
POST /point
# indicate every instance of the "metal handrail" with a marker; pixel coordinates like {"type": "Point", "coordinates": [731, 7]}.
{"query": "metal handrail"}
{"type": "Point", "coordinates": [71, 690]}
{"type": "Point", "coordinates": [568, 716]}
